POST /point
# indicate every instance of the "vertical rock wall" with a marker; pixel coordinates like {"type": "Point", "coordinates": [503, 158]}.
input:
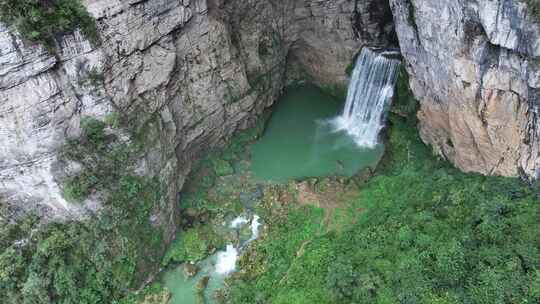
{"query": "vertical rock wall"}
{"type": "Point", "coordinates": [475, 68]}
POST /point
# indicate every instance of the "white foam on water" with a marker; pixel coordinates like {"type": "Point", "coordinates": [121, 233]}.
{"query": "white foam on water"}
{"type": "Point", "coordinates": [226, 260]}
{"type": "Point", "coordinates": [237, 222]}
{"type": "Point", "coordinates": [255, 224]}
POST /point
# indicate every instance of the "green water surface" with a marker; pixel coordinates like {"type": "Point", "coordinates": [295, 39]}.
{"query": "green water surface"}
{"type": "Point", "coordinates": [299, 142]}
{"type": "Point", "coordinates": [183, 289]}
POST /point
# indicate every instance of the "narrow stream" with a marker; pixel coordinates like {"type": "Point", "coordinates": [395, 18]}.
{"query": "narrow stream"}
{"type": "Point", "coordinates": [213, 269]}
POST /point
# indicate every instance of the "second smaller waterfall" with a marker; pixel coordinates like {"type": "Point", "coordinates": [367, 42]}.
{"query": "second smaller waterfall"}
{"type": "Point", "coordinates": [226, 260]}
{"type": "Point", "coordinates": [369, 96]}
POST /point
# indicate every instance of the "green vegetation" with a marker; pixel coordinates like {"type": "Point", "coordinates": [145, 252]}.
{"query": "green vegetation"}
{"type": "Point", "coordinates": [404, 102]}
{"type": "Point", "coordinates": [350, 68]}
{"type": "Point", "coordinates": [211, 195]}
{"type": "Point", "coordinates": [222, 167]}
{"type": "Point", "coordinates": [43, 20]}
{"type": "Point", "coordinates": [411, 18]}
{"type": "Point", "coordinates": [421, 231]}
{"type": "Point", "coordinates": [193, 245]}
{"type": "Point", "coordinates": [276, 267]}
{"type": "Point", "coordinates": [152, 294]}
{"type": "Point", "coordinates": [534, 8]}
{"type": "Point", "coordinates": [96, 260]}
{"type": "Point", "coordinates": [105, 160]}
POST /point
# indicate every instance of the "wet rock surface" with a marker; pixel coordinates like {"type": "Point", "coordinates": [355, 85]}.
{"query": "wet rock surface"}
{"type": "Point", "coordinates": [190, 270]}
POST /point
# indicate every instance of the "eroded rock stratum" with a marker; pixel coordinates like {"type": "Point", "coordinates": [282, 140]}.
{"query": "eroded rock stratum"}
{"type": "Point", "coordinates": [475, 69]}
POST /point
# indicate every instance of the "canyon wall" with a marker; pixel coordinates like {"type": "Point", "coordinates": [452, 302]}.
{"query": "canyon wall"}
{"type": "Point", "coordinates": [194, 72]}
{"type": "Point", "coordinates": [475, 69]}
{"type": "Point", "coordinates": [190, 72]}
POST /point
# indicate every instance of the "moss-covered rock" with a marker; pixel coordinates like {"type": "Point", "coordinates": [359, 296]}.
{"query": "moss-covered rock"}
{"type": "Point", "coordinates": [222, 167]}
{"type": "Point", "coordinates": [404, 103]}
{"type": "Point", "coordinates": [59, 259]}
{"type": "Point", "coordinates": [194, 244]}
{"type": "Point", "coordinates": [190, 270]}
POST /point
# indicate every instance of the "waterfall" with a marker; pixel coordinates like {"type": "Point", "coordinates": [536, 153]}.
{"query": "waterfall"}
{"type": "Point", "coordinates": [369, 96]}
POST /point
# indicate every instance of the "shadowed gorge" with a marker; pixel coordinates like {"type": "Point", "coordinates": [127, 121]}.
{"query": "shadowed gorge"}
{"type": "Point", "coordinates": [230, 152]}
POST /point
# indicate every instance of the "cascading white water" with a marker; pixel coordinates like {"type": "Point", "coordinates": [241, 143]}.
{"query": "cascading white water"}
{"type": "Point", "coordinates": [226, 260]}
{"type": "Point", "coordinates": [237, 222]}
{"type": "Point", "coordinates": [255, 224]}
{"type": "Point", "coordinates": [369, 96]}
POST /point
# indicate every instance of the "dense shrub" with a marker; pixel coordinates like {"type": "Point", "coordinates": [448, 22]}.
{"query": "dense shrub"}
{"type": "Point", "coordinates": [42, 20]}
{"type": "Point", "coordinates": [421, 231]}
{"type": "Point", "coordinates": [193, 245]}
{"type": "Point", "coordinates": [93, 133]}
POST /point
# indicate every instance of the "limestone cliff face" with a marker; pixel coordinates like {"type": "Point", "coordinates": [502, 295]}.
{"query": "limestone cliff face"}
{"type": "Point", "coordinates": [475, 68]}
{"type": "Point", "coordinates": [190, 71]}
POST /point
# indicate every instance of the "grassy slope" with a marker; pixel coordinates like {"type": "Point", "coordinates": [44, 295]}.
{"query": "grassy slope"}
{"type": "Point", "coordinates": [421, 232]}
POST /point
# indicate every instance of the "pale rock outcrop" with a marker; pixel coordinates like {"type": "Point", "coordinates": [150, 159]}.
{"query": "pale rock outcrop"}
{"type": "Point", "coordinates": [474, 67]}
{"type": "Point", "coordinates": [39, 95]}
